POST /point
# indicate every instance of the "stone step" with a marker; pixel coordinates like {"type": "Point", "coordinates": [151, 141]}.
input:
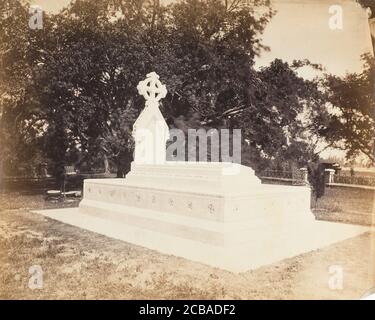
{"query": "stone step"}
{"type": "Point", "coordinates": [260, 250]}
{"type": "Point", "coordinates": [266, 202]}
{"type": "Point", "coordinates": [213, 232]}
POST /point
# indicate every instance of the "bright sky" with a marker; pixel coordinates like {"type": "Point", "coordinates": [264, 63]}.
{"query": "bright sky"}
{"type": "Point", "coordinates": [301, 30]}
{"type": "Point", "coordinates": [51, 5]}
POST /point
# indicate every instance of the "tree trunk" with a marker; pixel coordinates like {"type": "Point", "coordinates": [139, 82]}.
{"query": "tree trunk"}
{"type": "Point", "coordinates": [106, 164]}
{"type": "Point", "coordinates": [120, 172]}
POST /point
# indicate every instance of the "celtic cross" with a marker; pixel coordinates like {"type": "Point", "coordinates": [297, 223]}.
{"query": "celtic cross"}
{"type": "Point", "coordinates": [152, 89]}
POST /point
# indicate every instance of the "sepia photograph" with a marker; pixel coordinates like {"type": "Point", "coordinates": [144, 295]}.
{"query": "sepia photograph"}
{"type": "Point", "coordinates": [206, 150]}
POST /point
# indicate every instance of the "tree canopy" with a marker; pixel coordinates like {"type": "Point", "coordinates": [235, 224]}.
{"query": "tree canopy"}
{"type": "Point", "coordinates": [349, 125]}
{"type": "Point", "coordinates": [368, 4]}
{"type": "Point", "coordinates": [69, 90]}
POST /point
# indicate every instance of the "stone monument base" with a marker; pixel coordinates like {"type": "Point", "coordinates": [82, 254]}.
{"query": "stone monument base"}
{"type": "Point", "coordinates": [215, 213]}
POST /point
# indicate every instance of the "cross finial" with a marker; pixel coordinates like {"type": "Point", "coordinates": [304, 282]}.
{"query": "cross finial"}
{"type": "Point", "coordinates": [152, 89]}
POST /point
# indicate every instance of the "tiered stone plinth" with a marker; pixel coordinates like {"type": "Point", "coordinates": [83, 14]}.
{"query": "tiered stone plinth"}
{"type": "Point", "coordinates": [206, 191]}
{"type": "Point", "coordinates": [200, 212]}
{"type": "Point", "coordinates": [203, 212]}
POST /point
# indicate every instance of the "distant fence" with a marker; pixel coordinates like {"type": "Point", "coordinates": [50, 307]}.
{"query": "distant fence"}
{"type": "Point", "coordinates": [356, 180]}
{"type": "Point", "coordinates": [291, 177]}
{"type": "Point", "coordinates": [73, 181]}
{"type": "Point", "coordinates": [296, 177]}
{"type": "Point", "coordinates": [332, 179]}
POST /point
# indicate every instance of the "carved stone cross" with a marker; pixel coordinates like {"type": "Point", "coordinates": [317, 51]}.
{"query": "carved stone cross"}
{"type": "Point", "coordinates": [152, 89]}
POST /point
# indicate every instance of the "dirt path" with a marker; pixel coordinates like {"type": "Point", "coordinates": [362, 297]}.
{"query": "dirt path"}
{"type": "Point", "coordinates": [84, 265]}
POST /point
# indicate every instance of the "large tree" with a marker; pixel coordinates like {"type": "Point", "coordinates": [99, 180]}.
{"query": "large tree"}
{"type": "Point", "coordinates": [18, 45]}
{"type": "Point", "coordinates": [349, 123]}
{"type": "Point", "coordinates": [88, 59]}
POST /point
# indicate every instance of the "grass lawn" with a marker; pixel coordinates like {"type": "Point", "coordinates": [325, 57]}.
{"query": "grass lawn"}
{"type": "Point", "coordinates": [347, 200]}
{"type": "Point", "coordinates": [79, 264]}
{"type": "Point", "coordinates": [348, 205]}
